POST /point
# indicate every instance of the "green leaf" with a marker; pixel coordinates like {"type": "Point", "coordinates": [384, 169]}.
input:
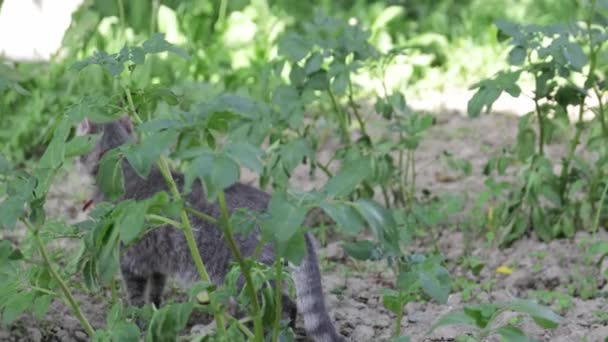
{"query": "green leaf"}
{"type": "Point", "coordinates": [285, 218]}
{"type": "Point", "coordinates": [485, 96]}
{"type": "Point", "coordinates": [387, 15]}
{"type": "Point", "coordinates": [125, 331]}
{"type": "Point", "coordinates": [16, 254]}
{"type": "Point", "coordinates": [350, 175]}
{"type": "Point", "coordinates": [110, 177]}
{"type": "Point", "coordinates": [55, 152]}
{"type": "Point", "coordinates": [513, 334]}
{"type": "Point", "coordinates": [517, 55]}
{"type": "Point", "coordinates": [41, 305]}
{"type": "Point", "coordinates": [138, 55]}
{"type": "Point", "coordinates": [242, 106]}
{"type": "Point", "coordinates": [198, 168]}
{"type": "Point", "coordinates": [542, 315]}
{"type": "Point", "coordinates": [80, 145]}
{"type": "Point", "coordinates": [313, 63]}
{"type": "Point", "coordinates": [111, 63]}
{"type": "Point", "coordinates": [157, 125]}
{"type": "Point", "coordinates": [599, 247]}
{"type": "Point", "coordinates": [391, 300]}
{"type": "Point", "coordinates": [246, 154]}
{"type": "Point", "coordinates": [16, 305]}
{"type": "Point", "coordinates": [340, 83]}
{"type": "Point", "coordinates": [361, 250]}
{"type": "Point", "coordinates": [286, 96]}
{"type": "Point", "coordinates": [294, 152]}
{"type": "Point", "coordinates": [569, 95]}
{"type": "Point", "coordinates": [408, 282]}
{"type": "Point", "coordinates": [400, 339]}
{"type": "Point", "coordinates": [131, 220]}
{"type": "Point", "coordinates": [345, 216]}
{"type": "Point", "coordinates": [11, 209]}
{"type": "Point", "coordinates": [5, 249]}
{"type": "Point", "coordinates": [157, 43]}
{"type": "Point", "coordinates": [526, 143]}
{"type": "Point", "coordinates": [143, 155]}
{"type": "Point", "coordinates": [216, 171]}
{"type": "Point", "coordinates": [575, 55]}
{"type": "Point", "coordinates": [381, 221]}
{"type": "Point", "coordinates": [107, 251]}
{"type": "Point", "coordinates": [294, 249]}
{"type": "Point", "coordinates": [435, 283]}
{"type": "Point", "coordinates": [168, 321]}
{"type": "Point", "coordinates": [453, 318]}
{"type": "Point", "coordinates": [294, 47]}
{"type": "Point", "coordinates": [89, 273]}
{"type": "Point", "coordinates": [5, 166]}
{"type": "Point", "coordinates": [297, 75]}
{"type": "Point", "coordinates": [507, 29]}
{"type": "Point", "coordinates": [318, 81]}
{"type": "Point", "coordinates": [481, 313]}
{"type": "Point", "coordinates": [224, 172]}
{"type": "Point", "coordinates": [166, 94]}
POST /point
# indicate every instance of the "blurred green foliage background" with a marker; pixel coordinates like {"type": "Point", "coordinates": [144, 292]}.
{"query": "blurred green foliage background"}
{"type": "Point", "coordinates": [448, 43]}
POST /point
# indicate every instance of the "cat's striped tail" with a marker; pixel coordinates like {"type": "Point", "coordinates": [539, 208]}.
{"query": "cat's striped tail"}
{"type": "Point", "coordinates": [310, 300]}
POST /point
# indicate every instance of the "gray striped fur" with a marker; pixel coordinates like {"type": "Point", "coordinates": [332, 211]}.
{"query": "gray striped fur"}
{"type": "Point", "coordinates": [163, 252]}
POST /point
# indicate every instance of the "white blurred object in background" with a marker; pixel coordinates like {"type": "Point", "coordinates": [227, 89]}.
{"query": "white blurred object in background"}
{"type": "Point", "coordinates": [32, 30]}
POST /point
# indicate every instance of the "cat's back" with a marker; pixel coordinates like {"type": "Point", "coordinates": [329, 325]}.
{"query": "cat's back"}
{"type": "Point", "coordinates": [241, 195]}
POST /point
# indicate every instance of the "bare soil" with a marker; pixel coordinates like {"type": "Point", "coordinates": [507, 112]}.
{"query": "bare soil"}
{"type": "Point", "coordinates": [353, 289]}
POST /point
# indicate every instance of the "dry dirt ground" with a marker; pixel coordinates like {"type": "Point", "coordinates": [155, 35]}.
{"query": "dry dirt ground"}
{"type": "Point", "coordinates": [353, 289]}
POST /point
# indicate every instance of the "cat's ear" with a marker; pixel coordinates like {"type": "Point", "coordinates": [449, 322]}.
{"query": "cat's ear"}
{"type": "Point", "coordinates": [84, 127]}
{"type": "Point", "coordinates": [126, 122]}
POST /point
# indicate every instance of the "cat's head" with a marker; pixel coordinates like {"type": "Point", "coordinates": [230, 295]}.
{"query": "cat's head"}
{"type": "Point", "coordinates": [113, 134]}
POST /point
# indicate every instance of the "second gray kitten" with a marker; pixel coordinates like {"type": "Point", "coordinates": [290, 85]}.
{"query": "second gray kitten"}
{"type": "Point", "coordinates": [163, 252]}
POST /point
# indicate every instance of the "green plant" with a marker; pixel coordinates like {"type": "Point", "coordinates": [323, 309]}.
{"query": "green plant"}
{"type": "Point", "coordinates": [188, 136]}
{"type": "Point", "coordinates": [565, 64]}
{"type": "Point", "coordinates": [562, 302]}
{"type": "Point", "coordinates": [481, 318]}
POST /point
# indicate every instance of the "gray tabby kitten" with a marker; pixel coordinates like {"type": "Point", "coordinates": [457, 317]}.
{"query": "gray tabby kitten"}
{"type": "Point", "coordinates": [163, 252]}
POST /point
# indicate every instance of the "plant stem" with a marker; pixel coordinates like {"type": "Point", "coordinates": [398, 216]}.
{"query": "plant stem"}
{"type": "Point", "coordinates": [113, 292]}
{"type": "Point", "coordinates": [592, 64]}
{"type": "Point", "coordinates": [241, 324]}
{"type": "Point", "coordinates": [201, 215]}
{"type": "Point", "coordinates": [600, 113]}
{"type": "Point", "coordinates": [221, 14]}
{"type": "Point", "coordinates": [121, 15]}
{"type": "Point", "coordinates": [132, 105]}
{"type": "Point", "coordinates": [353, 105]}
{"type": "Point", "coordinates": [186, 226]}
{"type": "Point", "coordinates": [576, 140]}
{"type": "Point", "coordinates": [412, 158]}
{"type": "Point", "coordinates": [596, 223]}
{"type": "Point", "coordinates": [220, 325]}
{"type": "Point", "coordinates": [165, 220]}
{"type": "Point", "coordinates": [45, 291]}
{"type": "Point", "coordinates": [541, 127]}
{"type": "Point", "coordinates": [341, 117]}
{"type": "Point", "coordinates": [190, 241]}
{"type": "Point", "coordinates": [325, 169]}
{"type": "Point", "coordinates": [154, 15]}
{"type": "Point", "coordinates": [255, 312]}
{"type": "Point", "coordinates": [278, 299]}
{"type": "Point", "coordinates": [387, 201]}
{"type": "Point", "coordinates": [398, 320]}
{"type": "Point", "coordinates": [64, 288]}
{"type": "Point", "coordinates": [402, 173]}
